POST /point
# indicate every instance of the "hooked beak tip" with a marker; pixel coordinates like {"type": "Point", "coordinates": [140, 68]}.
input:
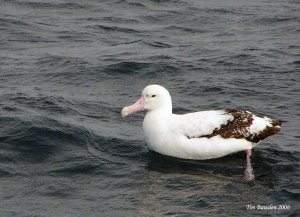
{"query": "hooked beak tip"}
{"type": "Point", "coordinates": [124, 112]}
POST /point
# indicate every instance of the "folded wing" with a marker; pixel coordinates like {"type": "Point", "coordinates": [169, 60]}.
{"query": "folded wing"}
{"type": "Point", "coordinates": [199, 124]}
{"type": "Point", "coordinates": [230, 123]}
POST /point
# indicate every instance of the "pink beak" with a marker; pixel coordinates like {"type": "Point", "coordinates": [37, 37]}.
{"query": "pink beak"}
{"type": "Point", "coordinates": [138, 106]}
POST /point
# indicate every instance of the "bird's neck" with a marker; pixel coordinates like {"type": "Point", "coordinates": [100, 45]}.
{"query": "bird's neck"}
{"type": "Point", "coordinates": [156, 123]}
{"type": "Point", "coordinates": [162, 112]}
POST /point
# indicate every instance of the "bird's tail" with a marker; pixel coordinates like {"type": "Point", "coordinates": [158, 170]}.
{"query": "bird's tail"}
{"type": "Point", "coordinates": [268, 131]}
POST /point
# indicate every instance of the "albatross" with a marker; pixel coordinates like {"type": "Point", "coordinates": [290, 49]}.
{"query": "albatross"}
{"type": "Point", "coordinates": [199, 135]}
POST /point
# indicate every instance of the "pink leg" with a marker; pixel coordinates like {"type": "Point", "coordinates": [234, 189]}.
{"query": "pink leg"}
{"type": "Point", "coordinates": [248, 173]}
{"type": "Point", "coordinates": [248, 157]}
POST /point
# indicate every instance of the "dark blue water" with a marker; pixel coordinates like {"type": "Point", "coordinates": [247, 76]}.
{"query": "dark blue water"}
{"type": "Point", "coordinates": [68, 67]}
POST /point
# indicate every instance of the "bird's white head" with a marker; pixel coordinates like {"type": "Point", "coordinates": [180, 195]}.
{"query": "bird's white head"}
{"type": "Point", "coordinates": [154, 97]}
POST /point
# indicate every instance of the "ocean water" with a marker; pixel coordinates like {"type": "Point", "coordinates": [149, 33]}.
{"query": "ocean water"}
{"type": "Point", "coordinates": [68, 67]}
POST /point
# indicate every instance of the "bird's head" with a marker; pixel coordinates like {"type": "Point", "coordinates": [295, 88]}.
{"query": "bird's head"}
{"type": "Point", "coordinates": [154, 97]}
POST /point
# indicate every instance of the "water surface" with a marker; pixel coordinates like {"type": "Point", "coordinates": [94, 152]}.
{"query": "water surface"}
{"type": "Point", "coordinates": [68, 67]}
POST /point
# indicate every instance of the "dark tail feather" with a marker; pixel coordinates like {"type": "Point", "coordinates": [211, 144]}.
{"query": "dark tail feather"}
{"type": "Point", "coordinates": [269, 131]}
{"type": "Point", "coordinates": [277, 123]}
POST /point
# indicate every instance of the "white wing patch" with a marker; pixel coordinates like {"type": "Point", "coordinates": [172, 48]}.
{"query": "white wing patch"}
{"type": "Point", "coordinates": [259, 124]}
{"type": "Point", "coordinates": [199, 124]}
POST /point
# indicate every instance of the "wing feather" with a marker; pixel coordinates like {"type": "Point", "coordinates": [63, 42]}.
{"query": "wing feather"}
{"type": "Point", "coordinates": [230, 123]}
{"type": "Point", "coordinates": [202, 123]}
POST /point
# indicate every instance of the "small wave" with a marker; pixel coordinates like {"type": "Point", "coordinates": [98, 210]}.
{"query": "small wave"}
{"type": "Point", "coordinates": [272, 20]}
{"type": "Point", "coordinates": [159, 44]}
{"type": "Point", "coordinates": [53, 5]}
{"type": "Point", "coordinates": [10, 22]}
{"type": "Point", "coordinates": [75, 168]}
{"type": "Point", "coordinates": [130, 3]}
{"type": "Point", "coordinates": [40, 102]}
{"type": "Point", "coordinates": [38, 139]}
{"type": "Point", "coordinates": [151, 69]}
{"type": "Point", "coordinates": [116, 28]}
{"type": "Point", "coordinates": [116, 150]}
{"type": "Point", "coordinates": [117, 19]}
{"type": "Point", "coordinates": [6, 172]}
{"type": "Point", "coordinates": [220, 10]}
{"type": "Point", "coordinates": [126, 68]}
{"type": "Point", "coordinates": [184, 29]}
{"type": "Point", "coordinates": [296, 62]}
{"type": "Point", "coordinates": [58, 61]}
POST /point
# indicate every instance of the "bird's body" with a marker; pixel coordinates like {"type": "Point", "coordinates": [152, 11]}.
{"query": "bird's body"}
{"type": "Point", "coordinates": [198, 135]}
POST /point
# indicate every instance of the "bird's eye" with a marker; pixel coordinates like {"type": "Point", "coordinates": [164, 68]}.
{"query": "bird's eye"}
{"type": "Point", "coordinates": [153, 95]}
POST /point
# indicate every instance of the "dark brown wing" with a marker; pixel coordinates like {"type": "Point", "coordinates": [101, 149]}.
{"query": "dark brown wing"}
{"type": "Point", "coordinates": [239, 127]}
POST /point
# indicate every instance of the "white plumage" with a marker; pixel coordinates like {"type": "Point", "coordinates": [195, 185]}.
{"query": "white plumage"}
{"type": "Point", "coordinates": [199, 135]}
